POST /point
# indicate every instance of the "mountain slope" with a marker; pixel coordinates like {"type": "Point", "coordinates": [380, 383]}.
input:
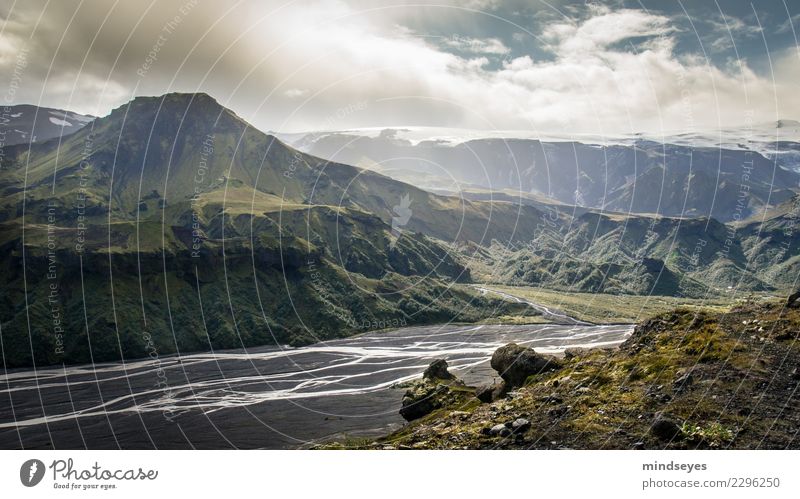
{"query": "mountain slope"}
{"type": "Point", "coordinates": [172, 225]}
{"type": "Point", "coordinates": [639, 176]}
{"type": "Point", "coordinates": [26, 124]}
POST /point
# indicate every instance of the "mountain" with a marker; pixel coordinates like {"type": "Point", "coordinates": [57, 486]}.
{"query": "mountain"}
{"type": "Point", "coordinates": [635, 174]}
{"type": "Point", "coordinates": [25, 123]}
{"type": "Point", "coordinates": [172, 224]}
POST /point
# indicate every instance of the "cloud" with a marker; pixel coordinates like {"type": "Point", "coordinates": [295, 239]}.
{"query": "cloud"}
{"type": "Point", "coordinates": [293, 65]}
{"type": "Point", "coordinates": [476, 45]}
{"type": "Point", "coordinates": [725, 31]}
{"type": "Point", "coordinates": [789, 25]}
{"type": "Point", "coordinates": [295, 93]}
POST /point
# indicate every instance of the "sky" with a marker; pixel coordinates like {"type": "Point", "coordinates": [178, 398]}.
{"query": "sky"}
{"type": "Point", "coordinates": [546, 66]}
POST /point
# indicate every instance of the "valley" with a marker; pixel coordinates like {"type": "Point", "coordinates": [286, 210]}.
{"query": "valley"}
{"type": "Point", "coordinates": [173, 219]}
{"type": "Point", "coordinates": [176, 278]}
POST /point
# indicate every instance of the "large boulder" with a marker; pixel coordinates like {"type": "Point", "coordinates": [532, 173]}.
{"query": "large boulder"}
{"type": "Point", "coordinates": [421, 399]}
{"type": "Point", "coordinates": [515, 363]}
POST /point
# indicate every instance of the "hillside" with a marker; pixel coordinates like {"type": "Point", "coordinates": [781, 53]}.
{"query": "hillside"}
{"type": "Point", "coordinates": [683, 380]}
{"type": "Point", "coordinates": [172, 225]}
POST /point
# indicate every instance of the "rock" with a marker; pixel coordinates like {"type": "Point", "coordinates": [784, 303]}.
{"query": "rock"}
{"type": "Point", "coordinates": [520, 425]}
{"type": "Point", "coordinates": [432, 392]}
{"type": "Point", "coordinates": [683, 382]}
{"type": "Point", "coordinates": [490, 393]}
{"type": "Point", "coordinates": [497, 429]}
{"type": "Point", "coordinates": [796, 373]}
{"type": "Point", "coordinates": [665, 428]}
{"type": "Point", "coordinates": [638, 446]}
{"type": "Point", "coordinates": [437, 370]}
{"type": "Point", "coordinates": [793, 299]}
{"type": "Point", "coordinates": [419, 400]}
{"type": "Point", "coordinates": [515, 363]}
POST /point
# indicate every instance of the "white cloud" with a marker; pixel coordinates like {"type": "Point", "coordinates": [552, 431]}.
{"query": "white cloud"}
{"type": "Point", "coordinates": [726, 31]}
{"type": "Point", "coordinates": [609, 70]}
{"type": "Point", "coordinates": [477, 45]}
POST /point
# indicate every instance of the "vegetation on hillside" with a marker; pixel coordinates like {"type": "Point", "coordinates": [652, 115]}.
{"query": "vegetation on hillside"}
{"type": "Point", "coordinates": [685, 379]}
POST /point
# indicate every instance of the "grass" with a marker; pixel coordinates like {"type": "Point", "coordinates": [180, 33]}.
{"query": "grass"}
{"type": "Point", "coordinates": [603, 308]}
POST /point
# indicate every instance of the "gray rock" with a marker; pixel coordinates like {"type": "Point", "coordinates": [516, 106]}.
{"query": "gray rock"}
{"type": "Point", "coordinates": [497, 429]}
{"type": "Point", "coordinates": [515, 363]}
{"type": "Point", "coordinates": [520, 425]}
{"type": "Point", "coordinates": [683, 382]}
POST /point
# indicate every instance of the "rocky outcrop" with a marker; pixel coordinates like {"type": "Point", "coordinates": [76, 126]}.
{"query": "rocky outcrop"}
{"type": "Point", "coordinates": [437, 370]}
{"type": "Point", "coordinates": [642, 396]}
{"type": "Point", "coordinates": [489, 393]}
{"type": "Point", "coordinates": [438, 388]}
{"type": "Point", "coordinates": [515, 363]}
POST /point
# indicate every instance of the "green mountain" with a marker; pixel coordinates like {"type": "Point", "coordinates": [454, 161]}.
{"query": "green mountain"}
{"type": "Point", "coordinates": [173, 225]}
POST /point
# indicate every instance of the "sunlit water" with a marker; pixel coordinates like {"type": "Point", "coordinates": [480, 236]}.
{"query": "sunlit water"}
{"type": "Point", "coordinates": [261, 397]}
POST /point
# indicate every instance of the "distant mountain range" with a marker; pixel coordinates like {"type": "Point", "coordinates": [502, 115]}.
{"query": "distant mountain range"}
{"type": "Point", "coordinates": [681, 175]}
{"type": "Point", "coordinates": [172, 224]}
{"type": "Point", "coordinates": [25, 123]}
